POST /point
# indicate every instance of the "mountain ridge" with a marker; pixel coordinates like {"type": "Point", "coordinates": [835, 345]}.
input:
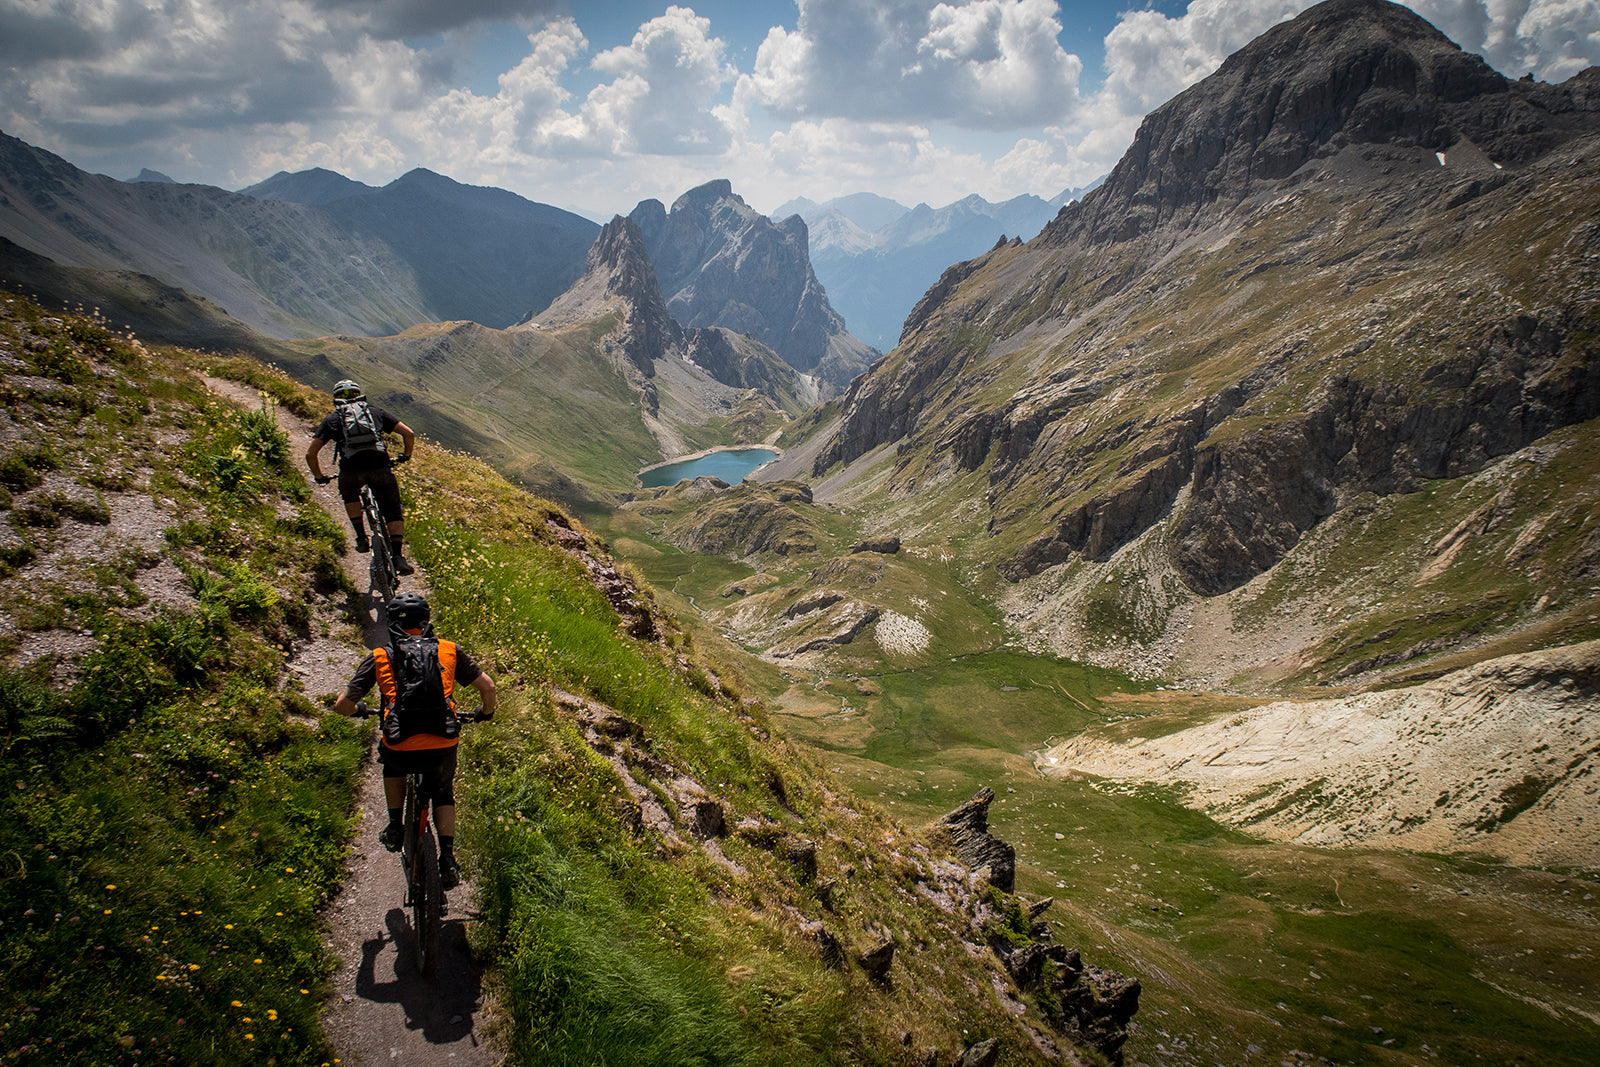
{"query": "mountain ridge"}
{"type": "Point", "coordinates": [368, 264]}
{"type": "Point", "coordinates": [317, 185]}
{"type": "Point", "coordinates": [1195, 367]}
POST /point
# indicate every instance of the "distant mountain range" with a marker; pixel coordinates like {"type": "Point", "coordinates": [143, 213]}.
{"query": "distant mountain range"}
{"type": "Point", "coordinates": [315, 253]}
{"type": "Point", "coordinates": [876, 257]}
{"type": "Point", "coordinates": [421, 249]}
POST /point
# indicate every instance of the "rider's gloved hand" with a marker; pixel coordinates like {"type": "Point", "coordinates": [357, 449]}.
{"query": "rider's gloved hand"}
{"type": "Point", "coordinates": [323, 479]}
{"type": "Point", "coordinates": [395, 461]}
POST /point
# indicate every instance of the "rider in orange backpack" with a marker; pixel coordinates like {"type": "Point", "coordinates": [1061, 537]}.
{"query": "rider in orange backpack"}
{"type": "Point", "coordinates": [416, 675]}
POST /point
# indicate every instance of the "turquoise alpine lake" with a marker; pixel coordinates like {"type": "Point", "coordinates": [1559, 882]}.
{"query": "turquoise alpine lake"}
{"type": "Point", "coordinates": [730, 465]}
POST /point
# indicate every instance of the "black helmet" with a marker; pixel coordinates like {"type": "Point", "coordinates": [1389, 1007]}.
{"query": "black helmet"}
{"type": "Point", "coordinates": [408, 611]}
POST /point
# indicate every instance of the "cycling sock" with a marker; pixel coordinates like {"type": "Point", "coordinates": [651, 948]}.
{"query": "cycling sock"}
{"type": "Point", "coordinates": [394, 544]}
{"type": "Point", "coordinates": [446, 845]}
{"type": "Point", "coordinates": [395, 814]}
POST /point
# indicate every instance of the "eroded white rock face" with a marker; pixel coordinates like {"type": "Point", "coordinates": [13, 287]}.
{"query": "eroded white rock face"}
{"type": "Point", "coordinates": [901, 635]}
{"type": "Point", "coordinates": [1500, 758]}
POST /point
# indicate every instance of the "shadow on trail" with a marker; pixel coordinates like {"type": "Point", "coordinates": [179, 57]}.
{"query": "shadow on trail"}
{"type": "Point", "coordinates": [443, 1007]}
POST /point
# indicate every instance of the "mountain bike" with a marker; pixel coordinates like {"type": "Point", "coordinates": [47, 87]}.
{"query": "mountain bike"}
{"type": "Point", "coordinates": [385, 581]}
{"type": "Point", "coordinates": [419, 862]}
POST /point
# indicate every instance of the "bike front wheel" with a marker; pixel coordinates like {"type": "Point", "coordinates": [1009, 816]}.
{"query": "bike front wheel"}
{"type": "Point", "coordinates": [427, 903]}
{"type": "Point", "coordinates": [385, 582]}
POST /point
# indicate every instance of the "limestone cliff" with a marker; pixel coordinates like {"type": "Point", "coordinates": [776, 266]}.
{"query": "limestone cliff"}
{"type": "Point", "coordinates": [722, 263]}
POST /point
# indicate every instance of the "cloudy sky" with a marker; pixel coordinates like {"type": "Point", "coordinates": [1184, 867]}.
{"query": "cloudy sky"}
{"type": "Point", "coordinates": [595, 104]}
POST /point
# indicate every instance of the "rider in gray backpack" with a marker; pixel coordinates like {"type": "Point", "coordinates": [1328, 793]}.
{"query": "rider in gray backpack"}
{"type": "Point", "coordinates": [358, 426]}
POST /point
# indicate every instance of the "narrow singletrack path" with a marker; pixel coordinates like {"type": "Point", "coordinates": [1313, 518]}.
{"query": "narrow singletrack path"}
{"type": "Point", "coordinates": [382, 1011]}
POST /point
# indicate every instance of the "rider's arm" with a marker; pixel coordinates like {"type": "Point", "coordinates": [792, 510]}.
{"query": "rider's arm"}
{"type": "Point", "coordinates": [408, 439]}
{"type": "Point", "coordinates": [313, 457]}
{"type": "Point", "coordinates": [485, 687]}
{"type": "Point", "coordinates": [365, 678]}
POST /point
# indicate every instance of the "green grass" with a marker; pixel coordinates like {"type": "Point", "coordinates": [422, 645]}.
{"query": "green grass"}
{"type": "Point", "coordinates": [1225, 932]}
{"type": "Point", "coordinates": [173, 819]}
{"type": "Point", "coordinates": [607, 942]}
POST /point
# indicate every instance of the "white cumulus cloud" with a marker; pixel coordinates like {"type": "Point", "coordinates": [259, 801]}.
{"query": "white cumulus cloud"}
{"type": "Point", "coordinates": [980, 64]}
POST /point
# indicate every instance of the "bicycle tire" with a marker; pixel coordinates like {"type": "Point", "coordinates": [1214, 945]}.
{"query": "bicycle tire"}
{"type": "Point", "coordinates": [380, 572]}
{"type": "Point", "coordinates": [381, 576]}
{"type": "Point", "coordinates": [427, 905]}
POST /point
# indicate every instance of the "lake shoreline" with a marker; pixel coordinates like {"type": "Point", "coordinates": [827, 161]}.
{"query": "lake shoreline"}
{"type": "Point", "coordinates": [775, 454]}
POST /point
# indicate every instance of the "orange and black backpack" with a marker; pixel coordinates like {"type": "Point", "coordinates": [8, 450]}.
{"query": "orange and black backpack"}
{"type": "Point", "coordinates": [416, 676]}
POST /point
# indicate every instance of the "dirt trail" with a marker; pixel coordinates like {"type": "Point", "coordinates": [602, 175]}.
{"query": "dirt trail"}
{"type": "Point", "coordinates": [382, 1011]}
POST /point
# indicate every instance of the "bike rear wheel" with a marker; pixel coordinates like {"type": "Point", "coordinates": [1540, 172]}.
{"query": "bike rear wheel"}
{"type": "Point", "coordinates": [385, 583]}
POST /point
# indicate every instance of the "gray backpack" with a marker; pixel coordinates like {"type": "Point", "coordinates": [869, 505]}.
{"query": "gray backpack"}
{"type": "Point", "coordinates": [359, 429]}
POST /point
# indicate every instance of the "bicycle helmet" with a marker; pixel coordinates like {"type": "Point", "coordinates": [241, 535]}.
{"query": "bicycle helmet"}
{"type": "Point", "coordinates": [409, 611]}
{"type": "Point", "coordinates": [347, 390]}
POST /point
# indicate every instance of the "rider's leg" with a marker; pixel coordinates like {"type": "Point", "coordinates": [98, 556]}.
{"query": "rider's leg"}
{"type": "Point", "coordinates": [394, 798]}
{"type": "Point", "coordinates": [388, 493]}
{"type": "Point", "coordinates": [350, 492]}
{"type": "Point", "coordinates": [444, 817]}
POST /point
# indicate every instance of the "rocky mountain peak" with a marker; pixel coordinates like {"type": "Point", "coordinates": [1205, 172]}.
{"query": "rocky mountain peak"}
{"type": "Point", "coordinates": [619, 256]}
{"type": "Point", "coordinates": [619, 279]}
{"type": "Point", "coordinates": [707, 195]}
{"type": "Point", "coordinates": [1344, 73]}
{"type": "Point", "coordinates": [720, 262]}
{"type": "Point", "coordinates": [1352, 263]}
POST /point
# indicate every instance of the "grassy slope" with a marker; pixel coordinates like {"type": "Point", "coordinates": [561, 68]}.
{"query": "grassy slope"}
{"type": "Point", "coordinates": [612, 943]}
{"type": "Point", "coordinates": [181, 811]}
{"type": "Point", "coordinates": [548, 409]}
{"type": "Point", "coordinates": [1239, 943]}
{"type": "Point", "coordinates": [172, 817]}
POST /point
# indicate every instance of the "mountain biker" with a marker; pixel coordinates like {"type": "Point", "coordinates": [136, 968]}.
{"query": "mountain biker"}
{"type": "Point", "coordinates": [364, 460]}
{"type": "Point", "coordinates": [432, 754]}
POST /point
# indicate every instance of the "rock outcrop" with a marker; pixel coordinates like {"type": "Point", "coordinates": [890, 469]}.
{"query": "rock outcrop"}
{"type": "Point", "coordinates": [748, 519]}
{"type": "Point", "coordinates": [1090, 1005]}
{"type": "Point", "coordinates": [968, 830]}
{"type": "Point", "coordinates": [618, 280]}
{"type": "Point", "coordinates": [721, 263]}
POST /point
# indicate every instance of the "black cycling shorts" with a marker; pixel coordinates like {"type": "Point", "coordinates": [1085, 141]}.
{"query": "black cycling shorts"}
{"type": "Point", "coordinates": [384, 488]}
{"type": "Point", "coordinates": [438, 767]}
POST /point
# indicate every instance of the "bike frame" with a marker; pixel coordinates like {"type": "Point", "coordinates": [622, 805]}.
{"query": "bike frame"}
{"type": "Point", "coordinates": [385, 582]}
{"type": "Point", "coordinates": [419, 859]}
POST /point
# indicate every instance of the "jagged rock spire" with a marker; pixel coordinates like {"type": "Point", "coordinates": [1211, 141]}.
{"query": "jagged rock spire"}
{"type": "Point", "coordinates": [620, 280]}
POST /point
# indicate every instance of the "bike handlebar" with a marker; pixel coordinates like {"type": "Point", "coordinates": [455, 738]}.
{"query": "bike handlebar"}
{"type": "Point", "coordinates": [364, 710]}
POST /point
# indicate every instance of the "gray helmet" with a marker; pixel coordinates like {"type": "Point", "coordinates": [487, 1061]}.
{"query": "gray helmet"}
{"type": "Point", "coordinates": [409, 611]}
{"type": "Point", "coordinates": [347, 390]}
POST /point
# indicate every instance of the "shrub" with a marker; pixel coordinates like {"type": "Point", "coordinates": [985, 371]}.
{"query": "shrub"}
{"type": "Point", "coordinates": [20, 469]}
